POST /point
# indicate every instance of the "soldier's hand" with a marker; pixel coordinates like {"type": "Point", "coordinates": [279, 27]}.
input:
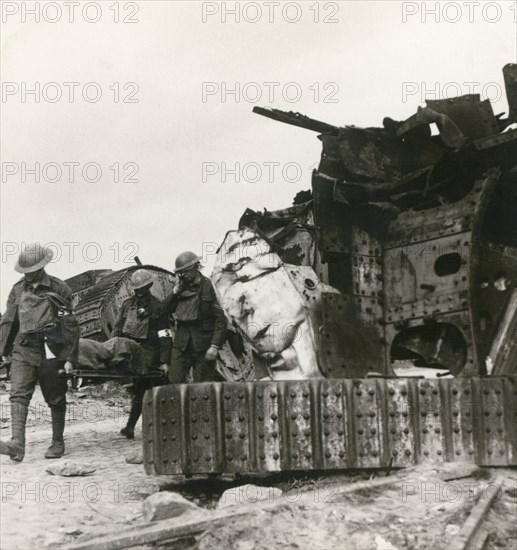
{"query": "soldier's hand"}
{"type": "Point", "coordinates": [211, 354]}
{"type": "Point", "coordinates": [69, 367]}
{"type": "Point", "coordinates": [165, 369]}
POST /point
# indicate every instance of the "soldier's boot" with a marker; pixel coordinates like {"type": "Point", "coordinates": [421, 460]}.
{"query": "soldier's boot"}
{"type": "Point", "coordinates": [15, 448]}
{"type": "Point", "coordinates": [57, 449]}
{"type": "Point", "coordinates": [134, 415]}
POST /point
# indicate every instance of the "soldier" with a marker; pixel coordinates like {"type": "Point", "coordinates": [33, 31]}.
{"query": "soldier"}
{"type": "Point", "coordinates": [200, 322]}
{"type": "Point", "coordinates": [40, 333]}
{"type": "Point", "coordinates": [141, 319]}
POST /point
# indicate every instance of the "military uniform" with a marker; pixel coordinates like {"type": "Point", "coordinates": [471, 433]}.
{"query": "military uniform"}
{"type": "Point", "coordinates": [40, 333]}
{"type": "Point", "coordinates": [142, 319]}
{"type": "Point", "coordinates": [39, 347]}
{"type": "Point", "coordinates": [200, 323]}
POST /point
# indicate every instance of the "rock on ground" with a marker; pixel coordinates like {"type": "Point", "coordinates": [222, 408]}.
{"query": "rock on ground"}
{"type": "Point", "coordinates": [69, 469]}
{"type": "Point", "coordinates": [166, 505]}
{"type": "Point", "coordinates": [135, 458]}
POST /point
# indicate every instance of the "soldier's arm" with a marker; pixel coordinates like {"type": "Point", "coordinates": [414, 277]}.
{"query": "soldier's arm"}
{"type": "Point", "coordinates": [220, 322]}
{"type": "Point", "coordinates": [72, 329]}
{"type": "Point", "coordinates": [165, 337]}
{"type": "Point", "coordinates": [169, 304]}
{"type": "Point", "coordinates": [9, 324]}
{"type": "Point", "coordinates": [119, 321]}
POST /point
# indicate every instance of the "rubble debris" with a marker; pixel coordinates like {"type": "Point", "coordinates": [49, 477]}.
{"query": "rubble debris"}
{"type": "Point", "coordinates": [452, 529]}
{"type": "Point", "coordinates": [471, 529]}
{"type": "Point", "coordinates": [163, 530]}
{"type": "Point", "coordinates": [321, 515]}
{"type": "Point", "coordinates": [502, 346]}
{"type": "Point", "coordinates": [135, 458]}
{"type": "Point", "coordinates": [418, 231]}
{"type": "Point", "coordinates": [166, 504]}
{"type": "Point", "coordinates": [72, 530]}
{"type": "Point", "coordinates": [383, 544]}
{"type": "Point", "coordinates": [235, 360]}
{"type": "Point", "coordinates": [460, 120]}
{"type": "Point", "coordinates": [71, 469]}
{"type": "Point", "coordinates": [255, 287]}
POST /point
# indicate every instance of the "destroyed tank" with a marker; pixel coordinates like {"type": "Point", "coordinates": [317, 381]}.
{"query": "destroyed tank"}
{"type": "Point", "coordinates": [98, 296]}
{"type": "Point", "coordinates": [404, 250]}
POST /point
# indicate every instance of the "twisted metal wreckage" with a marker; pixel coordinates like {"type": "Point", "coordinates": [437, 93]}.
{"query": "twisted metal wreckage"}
{"type": "Point", "coordinates": [404, 249]}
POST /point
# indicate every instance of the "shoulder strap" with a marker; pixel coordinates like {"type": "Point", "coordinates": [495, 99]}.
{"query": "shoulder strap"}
{"type": "Point", "coordinates": [57, 300]}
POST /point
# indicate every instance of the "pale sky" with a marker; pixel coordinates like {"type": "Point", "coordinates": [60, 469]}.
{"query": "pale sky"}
{"type": "Point", "coordinates": [170, 134]}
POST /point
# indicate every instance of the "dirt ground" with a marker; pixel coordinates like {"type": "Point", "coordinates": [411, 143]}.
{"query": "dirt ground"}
{"type": "Point", "coordinates": [421, 508]}
{"type": "Point", "coordinates": [417, 511]}
{"type": "Point", "coordinates": [59, 509]}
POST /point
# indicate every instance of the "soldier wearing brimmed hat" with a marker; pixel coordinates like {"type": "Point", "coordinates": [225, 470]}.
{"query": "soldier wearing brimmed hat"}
{"type": "Point", "coordinates": [41, 334]}
{"type": "Point", "coordinates": [200, 322]}
{"type": "Point", "coordinates": [142, 319]}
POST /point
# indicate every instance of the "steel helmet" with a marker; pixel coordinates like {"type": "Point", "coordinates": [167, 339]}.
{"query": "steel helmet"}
{"type": "Point", "coordinates": [141, 278]}
{"type": "Point", "coordinates": [33, 257]}
{"type": "Point", "coordinates": [186, 260]}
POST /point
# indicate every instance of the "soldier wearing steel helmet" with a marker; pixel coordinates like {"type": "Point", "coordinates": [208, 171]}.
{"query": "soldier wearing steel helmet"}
{"type": "Point", "coordinates": [142, 319]}
{"type": "Point", "coordinates": [40, 333]}
{"type": "Point", "coordinates": [200, 322]}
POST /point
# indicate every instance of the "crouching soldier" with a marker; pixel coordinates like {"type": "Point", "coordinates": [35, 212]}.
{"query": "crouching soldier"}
{"type": "Point", "coordinates": [200, 323]}
{"type": "Point", "coordinates": [141, 318]}
{"type": "Point", "coordinates": [40, 333]}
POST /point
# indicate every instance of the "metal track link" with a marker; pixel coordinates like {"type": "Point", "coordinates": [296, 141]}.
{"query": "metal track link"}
{"type": "Point", "coordinates": [329, 424]}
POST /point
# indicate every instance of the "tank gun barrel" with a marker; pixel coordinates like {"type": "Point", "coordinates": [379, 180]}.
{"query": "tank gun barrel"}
{"type": "Point", "coordinates": [296, 119]}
